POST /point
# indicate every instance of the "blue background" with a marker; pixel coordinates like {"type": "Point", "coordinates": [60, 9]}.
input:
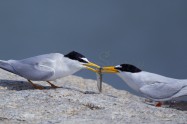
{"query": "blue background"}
{"type": "Point", "coordinates": [149, 34]}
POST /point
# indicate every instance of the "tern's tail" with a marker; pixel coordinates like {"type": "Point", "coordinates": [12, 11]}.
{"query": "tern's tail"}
{"type": "Point", "coordinates": [5, 65]}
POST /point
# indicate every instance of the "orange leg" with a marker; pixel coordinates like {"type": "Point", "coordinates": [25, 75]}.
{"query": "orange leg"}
{"type": "Point", "coordinates": [158, 104]}
{"type": "Point", "coordinates": [52, 85]}
{"type": "Point", "coordinates": [35, 86]}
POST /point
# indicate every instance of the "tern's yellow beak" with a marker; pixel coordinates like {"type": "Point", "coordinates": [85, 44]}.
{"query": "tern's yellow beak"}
{"type": "Point", "coordinates": [109, 69]}
{"type": "Point", "coordinates": [92, 65]}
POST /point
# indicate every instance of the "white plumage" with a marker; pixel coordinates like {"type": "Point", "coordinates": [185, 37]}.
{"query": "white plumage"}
{"type": "Point", "coordinates": [153, 86]}
{"type": "Point", "coordinates": [47, 67]}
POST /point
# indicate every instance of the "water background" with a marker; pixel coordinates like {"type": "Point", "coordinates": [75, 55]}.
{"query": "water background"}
{"type": "Point", "coordinates": [149, 34]}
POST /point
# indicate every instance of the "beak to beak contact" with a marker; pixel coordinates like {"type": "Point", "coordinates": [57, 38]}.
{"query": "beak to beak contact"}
{"type": "Point", "coordinates": [109, 69]}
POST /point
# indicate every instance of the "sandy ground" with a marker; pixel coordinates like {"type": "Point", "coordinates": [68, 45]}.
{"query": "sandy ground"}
{"type": "Point", "coordinates": [78, 101]}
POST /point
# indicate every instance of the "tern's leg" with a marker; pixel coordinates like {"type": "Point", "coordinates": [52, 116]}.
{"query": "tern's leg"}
{"type": "Point", "coordinates": [52, 85]}
{"type": "Point", "coordinates": [159, 104]}
{"type": "Point", "coordinates": [35, 86]}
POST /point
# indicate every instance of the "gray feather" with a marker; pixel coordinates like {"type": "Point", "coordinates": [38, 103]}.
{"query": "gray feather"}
{"type": "Point", "coordinates": [5, 65]}
{"type": "Point", "coordinates": [34, 68]}
{"type": "Point", "coordinates": [160, 90]}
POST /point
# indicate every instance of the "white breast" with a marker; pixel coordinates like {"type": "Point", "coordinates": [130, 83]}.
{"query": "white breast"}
{"type": "Point", "coordinates": [65, 67]}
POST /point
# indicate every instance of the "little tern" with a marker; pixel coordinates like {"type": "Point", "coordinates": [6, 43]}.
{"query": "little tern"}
{"type": "Point", "coordinates": [48, 67]}
{"type": "Point", "coordinates": [153, 86]}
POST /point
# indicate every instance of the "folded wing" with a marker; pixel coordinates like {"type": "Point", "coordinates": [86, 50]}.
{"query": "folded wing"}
{"type": "Point", "coordinates": [38, 68]}
{"type": "Point", "coordinates": [161, 90]}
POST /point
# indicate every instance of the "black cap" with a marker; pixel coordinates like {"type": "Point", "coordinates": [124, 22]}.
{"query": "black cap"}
{"type": "Point", "coordinates": [128, 68]}
{"type": "Point", "coordinates": [76, 56]}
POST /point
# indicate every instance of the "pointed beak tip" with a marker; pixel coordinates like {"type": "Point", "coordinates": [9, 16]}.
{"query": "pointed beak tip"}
{"type": "Point", "coordinates": [109, 69]}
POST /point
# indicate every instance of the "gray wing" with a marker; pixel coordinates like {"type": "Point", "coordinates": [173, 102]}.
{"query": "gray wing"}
{"type": "Point", "coordinates": [161, 90]}
{"type": "Point", "coordinates": [36, 68]}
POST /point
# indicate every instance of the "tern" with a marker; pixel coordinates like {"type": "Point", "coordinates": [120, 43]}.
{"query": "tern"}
{"type": "Point", "coordinates": [48, 67]}
{"type": "Point", "coordinates": [155, 87]}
